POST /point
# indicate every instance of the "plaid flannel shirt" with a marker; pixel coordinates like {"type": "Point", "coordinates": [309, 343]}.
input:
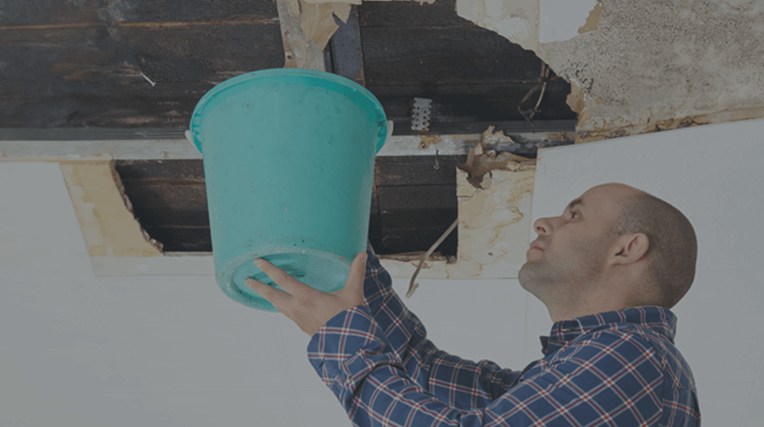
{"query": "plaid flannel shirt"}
{"type": "Point", "coordinates": [618, 368]}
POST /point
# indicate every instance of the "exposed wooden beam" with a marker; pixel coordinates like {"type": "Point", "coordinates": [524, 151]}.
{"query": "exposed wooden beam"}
{"type": "Point", "coordinates": [299, 51]}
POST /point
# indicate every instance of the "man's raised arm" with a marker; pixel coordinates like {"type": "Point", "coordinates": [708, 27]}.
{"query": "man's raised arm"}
{"type": "Point", "coordinates": [455, 381]}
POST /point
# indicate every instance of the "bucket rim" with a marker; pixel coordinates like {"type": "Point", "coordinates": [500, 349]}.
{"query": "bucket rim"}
{"type": "Point", "coordinates": [225, 85]}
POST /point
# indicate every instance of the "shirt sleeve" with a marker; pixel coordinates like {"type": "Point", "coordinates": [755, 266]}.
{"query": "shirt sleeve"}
{"type": "Point", "coordinates": [458, 382]}
{"type": "Point", "coordinates": [609, 380]}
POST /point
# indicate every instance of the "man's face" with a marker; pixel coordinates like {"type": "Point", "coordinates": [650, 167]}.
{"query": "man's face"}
{"type": "Point", "coordinates": [570, 251]}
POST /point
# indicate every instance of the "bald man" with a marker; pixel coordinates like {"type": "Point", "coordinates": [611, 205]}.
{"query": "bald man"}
{"type": "Point", "coordinates": [608, 269]}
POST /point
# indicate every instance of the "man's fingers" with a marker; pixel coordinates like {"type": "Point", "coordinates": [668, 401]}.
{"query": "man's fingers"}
{"type": "Point", "coordinates": [287, 282]}
{"type": "Point", "coordinates": [274, 296]}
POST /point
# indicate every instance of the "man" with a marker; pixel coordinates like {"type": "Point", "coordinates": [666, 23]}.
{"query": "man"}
{"type": "Point", "coordinates": [608, 270]}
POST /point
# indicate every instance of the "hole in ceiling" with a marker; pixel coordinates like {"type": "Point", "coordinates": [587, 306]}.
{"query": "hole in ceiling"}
{"type": "Point", "coordinates": [413, 204]}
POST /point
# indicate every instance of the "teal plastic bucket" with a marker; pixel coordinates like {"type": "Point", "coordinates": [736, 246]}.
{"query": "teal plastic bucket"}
{"type": "Point", "coordinates": [289, 167]}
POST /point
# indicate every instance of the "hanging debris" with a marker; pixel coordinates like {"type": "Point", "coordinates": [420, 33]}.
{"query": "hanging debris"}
{"type": "Point", "coordinates": [483, 158]}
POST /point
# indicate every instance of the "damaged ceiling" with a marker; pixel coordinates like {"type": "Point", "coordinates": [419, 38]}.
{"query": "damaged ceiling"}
{"type": "Point", "coordinates": [144, 64]}
{"type": "Point", "coordinates": [134, 69]}
{"type": "Point", "coordinates": [84, 79]}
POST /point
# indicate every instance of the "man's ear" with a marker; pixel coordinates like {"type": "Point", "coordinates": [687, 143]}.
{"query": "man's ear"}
{"type": "Point", "coordinates": [629, 248]}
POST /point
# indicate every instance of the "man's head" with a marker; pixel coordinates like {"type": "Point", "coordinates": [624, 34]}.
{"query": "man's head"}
{"type": "Point", "coordinates": [613, 247]}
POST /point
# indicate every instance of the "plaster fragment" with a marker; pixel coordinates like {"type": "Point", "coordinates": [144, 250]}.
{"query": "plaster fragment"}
{"type": "Point", "coordinates": [492, 138]}
{"type": "Point", "coordinates": [104, 211]}
{"type": "Point", "coordinates": [482, 159]}
{"type": "Point", "coordinates": [299, 32]}
{"type": "Point", "coordinates": [317, 18]}
{"type": "Point", "coordinates": [342, 11]}
{"type": "Point", "coordinates": [317, 23]}
{"type": "Point", "coordinates": [575, 98]}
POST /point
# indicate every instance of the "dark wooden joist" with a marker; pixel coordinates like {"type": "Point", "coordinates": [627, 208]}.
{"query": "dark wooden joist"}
{"type": "Point", "coordinates": [81, 64]}
{"type": "Point", "coordinates": [474, 76]}
{"type": "Point", "coordinates": [346, 49]}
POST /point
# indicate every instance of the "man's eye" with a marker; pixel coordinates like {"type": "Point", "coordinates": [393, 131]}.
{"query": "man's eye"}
{"type": "Point", "coordinates": [573, 214]}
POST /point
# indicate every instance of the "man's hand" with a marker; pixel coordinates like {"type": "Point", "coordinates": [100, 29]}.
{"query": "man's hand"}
{"type": "Point", "coordinates": [307, 307]}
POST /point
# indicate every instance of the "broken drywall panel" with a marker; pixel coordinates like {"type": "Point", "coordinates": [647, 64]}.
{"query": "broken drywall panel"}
{"type": "Point", "coordinates": [300, 48]}
{"type": "Point", "coordinates": [561, 19]}
{"type": "Point", "coordinates": [516, 20]}
{"type": "Point", "coordinates": [104, 212]}
{"type": "Point", "coordinates": [342, 11]}
{"type": "Point", "coordinates": [494, 223]}
{"type": "Point", "coordinates": [317, 22]}
{"type": "Point", "coordinates": [637, 67]}
{"type": "Point", "coordinates": [654, 65]}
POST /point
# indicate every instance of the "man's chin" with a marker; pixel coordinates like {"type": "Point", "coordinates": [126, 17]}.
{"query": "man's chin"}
{"type": "Point", "coordinates": [531, 275]}
{"type": "Point", "coordinates": [522, 276]}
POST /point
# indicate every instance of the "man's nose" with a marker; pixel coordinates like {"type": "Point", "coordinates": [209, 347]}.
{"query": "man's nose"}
{"type": "Point", "coordinates": [542, 226]}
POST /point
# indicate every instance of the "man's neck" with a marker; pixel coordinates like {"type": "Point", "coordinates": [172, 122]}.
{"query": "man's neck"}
{"type": "Point", "coordinates": [570, 311]}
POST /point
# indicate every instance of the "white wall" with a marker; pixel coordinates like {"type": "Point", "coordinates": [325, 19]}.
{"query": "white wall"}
{"type": "Point", "coordinates": [77, 351]}
{"type": "Point", "coordinates": [713, 175]}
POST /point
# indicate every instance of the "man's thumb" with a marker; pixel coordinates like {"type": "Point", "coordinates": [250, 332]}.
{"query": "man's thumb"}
{"type": "Point", "coordinates": [357, 271]}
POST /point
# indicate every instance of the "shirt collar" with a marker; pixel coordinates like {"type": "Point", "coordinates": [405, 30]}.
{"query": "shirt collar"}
{"type": "Point", "coordinates": [655, 318]}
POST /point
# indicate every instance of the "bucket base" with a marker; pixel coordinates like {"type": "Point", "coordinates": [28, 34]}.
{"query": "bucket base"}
{"type": "Point", "coordinates": [320, 270]}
